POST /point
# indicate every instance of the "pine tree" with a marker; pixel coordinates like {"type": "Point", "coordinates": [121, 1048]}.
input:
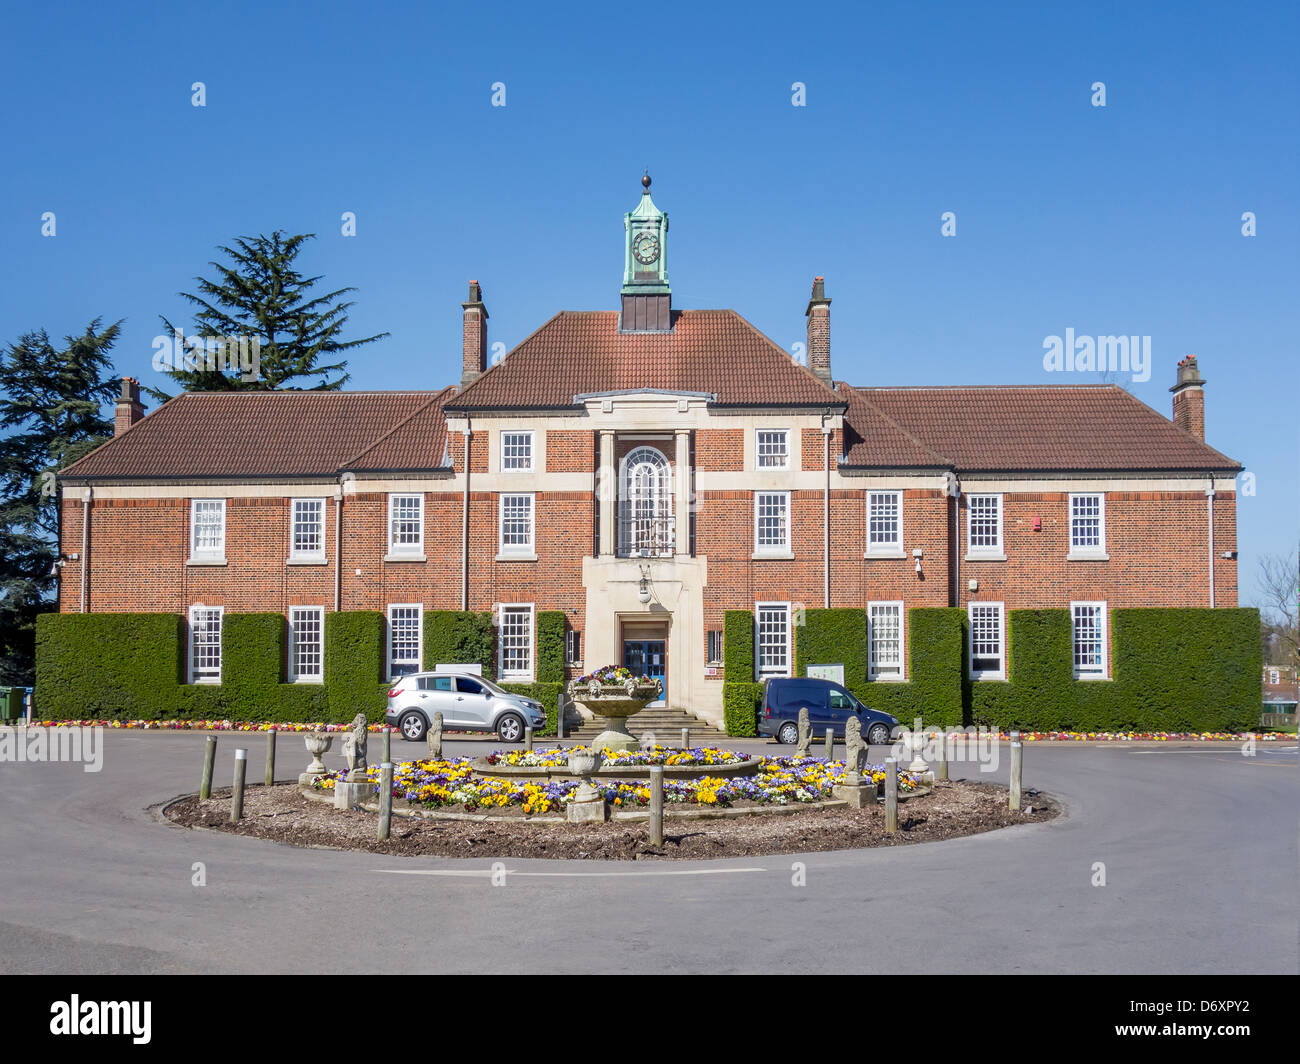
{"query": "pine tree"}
{"type": "Point", "coordinates": [51, 412]}
{"type": "Point", "coordinates": [261, 294]}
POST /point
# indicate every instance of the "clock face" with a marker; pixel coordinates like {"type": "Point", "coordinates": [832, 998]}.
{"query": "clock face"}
{"type": "Point", "coordinates": [645, 246]}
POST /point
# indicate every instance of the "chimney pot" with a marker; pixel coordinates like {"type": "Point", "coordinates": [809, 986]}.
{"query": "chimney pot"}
{"type": "Point", "coordinates": [1189, 398]}
{"type": "Point", "coordinates": [473, 335]}
{"type": "Point", "coordinates": [819, 331]}
{"type": "Point", "coordinates": [129, 409]}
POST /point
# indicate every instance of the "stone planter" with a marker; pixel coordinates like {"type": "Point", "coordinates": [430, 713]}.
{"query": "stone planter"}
{"type": "Point", "coordinates": [614, 705]}
{"type": "Point", "coordinates": [317, 744]}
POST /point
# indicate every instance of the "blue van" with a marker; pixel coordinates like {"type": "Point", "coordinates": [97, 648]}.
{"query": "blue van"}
{"type": "Point", "coordinates": [829, 706]}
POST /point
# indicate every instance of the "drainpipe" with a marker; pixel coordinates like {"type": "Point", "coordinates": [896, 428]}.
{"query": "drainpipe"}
{"type": "Point", "coordinates": [956, 540]}
{"type": "Point", "coordinates": [338, 548]}
{"type": "Point", "coordinates": [464, 525]}
{"type": "Point", "coordinates": [86, 495]}
{"type": "Point", "coordinates": [826, 511]}
{"type": "Point", "coordinates": [1209, 510]}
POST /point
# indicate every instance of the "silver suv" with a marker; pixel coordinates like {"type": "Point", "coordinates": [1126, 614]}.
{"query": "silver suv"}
{"type": "Point", "coordinates": [467, 703]}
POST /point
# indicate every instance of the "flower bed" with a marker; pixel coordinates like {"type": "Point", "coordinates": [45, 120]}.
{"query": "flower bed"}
{"type": "Point", "coordinates": [779, 781]}
{"type": "Point", "coordinates": [650, 755]}
{"type": "Point", "coordinates": [300, 726]}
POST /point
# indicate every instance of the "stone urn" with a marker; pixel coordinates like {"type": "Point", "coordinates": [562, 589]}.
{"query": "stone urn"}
{"type": "Point", "coordinates": [615, 703]}
{"type": "Point", "coordinates": [584, 763]}
{"type": "Point", "coordinates": [587, 804]}
{"type": "Point", "coordinates": [317, 744]}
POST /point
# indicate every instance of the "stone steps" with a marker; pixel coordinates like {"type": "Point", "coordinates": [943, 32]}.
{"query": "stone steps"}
{"type": "Point", "coordinates": [665, 724]}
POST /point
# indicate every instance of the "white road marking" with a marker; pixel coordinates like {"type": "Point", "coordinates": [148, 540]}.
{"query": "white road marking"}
{"type": "Point", "coordinates": [487, 872]}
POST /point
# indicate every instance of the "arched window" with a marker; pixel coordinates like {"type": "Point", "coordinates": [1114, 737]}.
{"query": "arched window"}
{"type": "Point", "coordinates": [645, 504]}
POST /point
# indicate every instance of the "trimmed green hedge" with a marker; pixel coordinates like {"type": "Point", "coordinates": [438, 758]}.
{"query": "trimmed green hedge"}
{"type": "Point", "coordinates": [107, 665]}
{"type": "Point", "coordinates": [738, 646]}
{"type": "Point", "coordinates": [458, 637]}
{"type": "Point", "coordinates": [355, 671]}
{"type": "Point", "coordinates": [833, 637]}
{"type": "Point", "coordinates": [740, 705]}
{"type": "Point", "coordinates": [740, 695]}
{"type": "Point", "coordinates": [1171, 670]}
{"type": "Point", "coordinates": [550, 646]}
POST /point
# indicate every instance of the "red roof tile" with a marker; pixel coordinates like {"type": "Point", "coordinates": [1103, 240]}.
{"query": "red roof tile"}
{"type": "Point", "coordinates": [580, 352]}
{"type": "Point", "coordinates": [1037, 428]}
{"type": "Point", "coordinates": [266, 434]}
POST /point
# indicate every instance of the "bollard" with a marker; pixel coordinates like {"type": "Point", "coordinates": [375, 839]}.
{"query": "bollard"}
{"type": "Point", "coordinates": [559, 715]}
{"type": "Point", "coordinates": [656, 805]}
{"type": "Point", "coordinates": [388, 743]}
{"type": "Point", "coordinates": [830, 745]}
{"type": "Point", "coordinates": [237, 793]}
{"type": "Point", "coordinates": [943, 755]}
{"type": "Point", "coordinates": [270, 757]}
{"type": "Point", "coordinates": [385, 799]}
{"type": "Point", "coordinates": [686, 738]}
{"type": "Point", "coordinates": [209, 759]}
{"type": "Point", "coordinates": [1017, 764]}
{"type": "Point", "coordinates": [891, 795]}
{"type": "Point", "coordinates": [528, 738]}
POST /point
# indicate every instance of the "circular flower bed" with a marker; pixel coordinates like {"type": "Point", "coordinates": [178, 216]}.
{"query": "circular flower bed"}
{"type": "Point", "coordinates": [649, 755]}
{"type": "Point", "coordinates": [779, 781]}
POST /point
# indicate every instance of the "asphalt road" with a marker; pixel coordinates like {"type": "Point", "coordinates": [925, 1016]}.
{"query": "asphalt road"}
{"type": "Point", "coordinates": [1199, 847]}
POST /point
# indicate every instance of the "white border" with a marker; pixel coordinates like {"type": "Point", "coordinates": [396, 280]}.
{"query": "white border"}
{"type": "Point", "coordinates": [901, 675]}
{"type": "Point", "coordinates": [388, 637]}
{"type": "Point", "coordinates": [1001, 674]}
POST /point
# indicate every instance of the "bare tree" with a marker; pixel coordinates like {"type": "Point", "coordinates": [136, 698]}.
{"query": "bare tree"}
{"type": "Point", "coordinates": [1279, 595]}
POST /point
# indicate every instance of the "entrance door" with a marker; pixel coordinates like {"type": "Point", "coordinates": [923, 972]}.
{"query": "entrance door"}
{"type": "Point", "coordinates": [648, 657]}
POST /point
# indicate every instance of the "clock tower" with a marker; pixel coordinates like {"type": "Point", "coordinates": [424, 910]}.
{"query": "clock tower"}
{"type": "Point", "coordinates": [647, 299]}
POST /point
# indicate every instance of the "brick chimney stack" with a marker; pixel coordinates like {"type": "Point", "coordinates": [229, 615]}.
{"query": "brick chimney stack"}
{"type": "Point", "coordinates": [129, 409]}
{"type": "Point", "coordinates": [819, 331]}
{"type": "Point", "coordinates": [473, 361]}
{"type": "Point", "coordinates": [1189, 398]}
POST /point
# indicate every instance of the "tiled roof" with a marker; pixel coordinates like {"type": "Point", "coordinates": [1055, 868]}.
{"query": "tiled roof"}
{"type": "Point", "coordinates": [580, 352]}
{"type": "Point", "coordinates": [270, 434]}
{"type": "Point", "coordinates": [1018, 429]}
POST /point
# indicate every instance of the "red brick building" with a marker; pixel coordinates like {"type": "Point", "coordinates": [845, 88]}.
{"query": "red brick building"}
{"type": "Point", "coordinates": [644, 470]}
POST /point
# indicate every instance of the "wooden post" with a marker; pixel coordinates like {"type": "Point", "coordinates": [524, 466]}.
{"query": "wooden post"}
{"type": "Point", "coordinates": [528, 737]}
{"type": "Point", "coordinates": [388, 743]}
{"type": "Point", "coordinates": [237, 793]}
{"type": "Point", "coordinates": [270, 757]}
{"type": "Point", "coordinates": [209, 760]}
{"type": "Point", "coordinates": [559, 714]}
{"type": "Point", "coordinates": [891, 795]}
{"type": "Point", "coordinates": [385, 799]}
{"type": "Point", "coordinates": [1017, 764]}
{"type": "Point", "coordinates": [830, 743]}
{"type": "Point", "coordinates": [656, 805]}
{"type": "Point", "coordinates": [686, 738]}
{"type": "Point", "coordinates": [943, 755]}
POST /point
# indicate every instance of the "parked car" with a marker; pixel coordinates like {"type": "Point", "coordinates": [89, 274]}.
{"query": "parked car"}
{"type": "Point", "coordinates": [467, 703]}
{"type": "Point", "coordinates": [829, 706]}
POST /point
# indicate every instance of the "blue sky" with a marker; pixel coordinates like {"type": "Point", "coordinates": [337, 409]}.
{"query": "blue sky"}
{"type": "Point", "coordinates": [1117, 220]}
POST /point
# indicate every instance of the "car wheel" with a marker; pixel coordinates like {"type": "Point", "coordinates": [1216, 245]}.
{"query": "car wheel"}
{"type": "Point", "coordinates": [510, 729]}
{"type": "Point", "coordinates": [413, 726]}
{"type": "Point", "coordinates": [788, 733]}
{"type": "Point", "coordinates": [878, 735]}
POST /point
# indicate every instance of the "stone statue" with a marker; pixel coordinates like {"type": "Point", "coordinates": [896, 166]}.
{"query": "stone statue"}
{"type": "Point", "coordinates": [805, 733]}
{"type": "Point", "coordinates": [854, 749]}
{"type": "Point", "coordinates": [354, 747]}
{"type": "Point", "coordinates": [435, 737]}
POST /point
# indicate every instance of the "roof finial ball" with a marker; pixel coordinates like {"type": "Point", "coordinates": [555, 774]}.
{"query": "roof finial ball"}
{"type": "Point", "coordinates": [645, 183]}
